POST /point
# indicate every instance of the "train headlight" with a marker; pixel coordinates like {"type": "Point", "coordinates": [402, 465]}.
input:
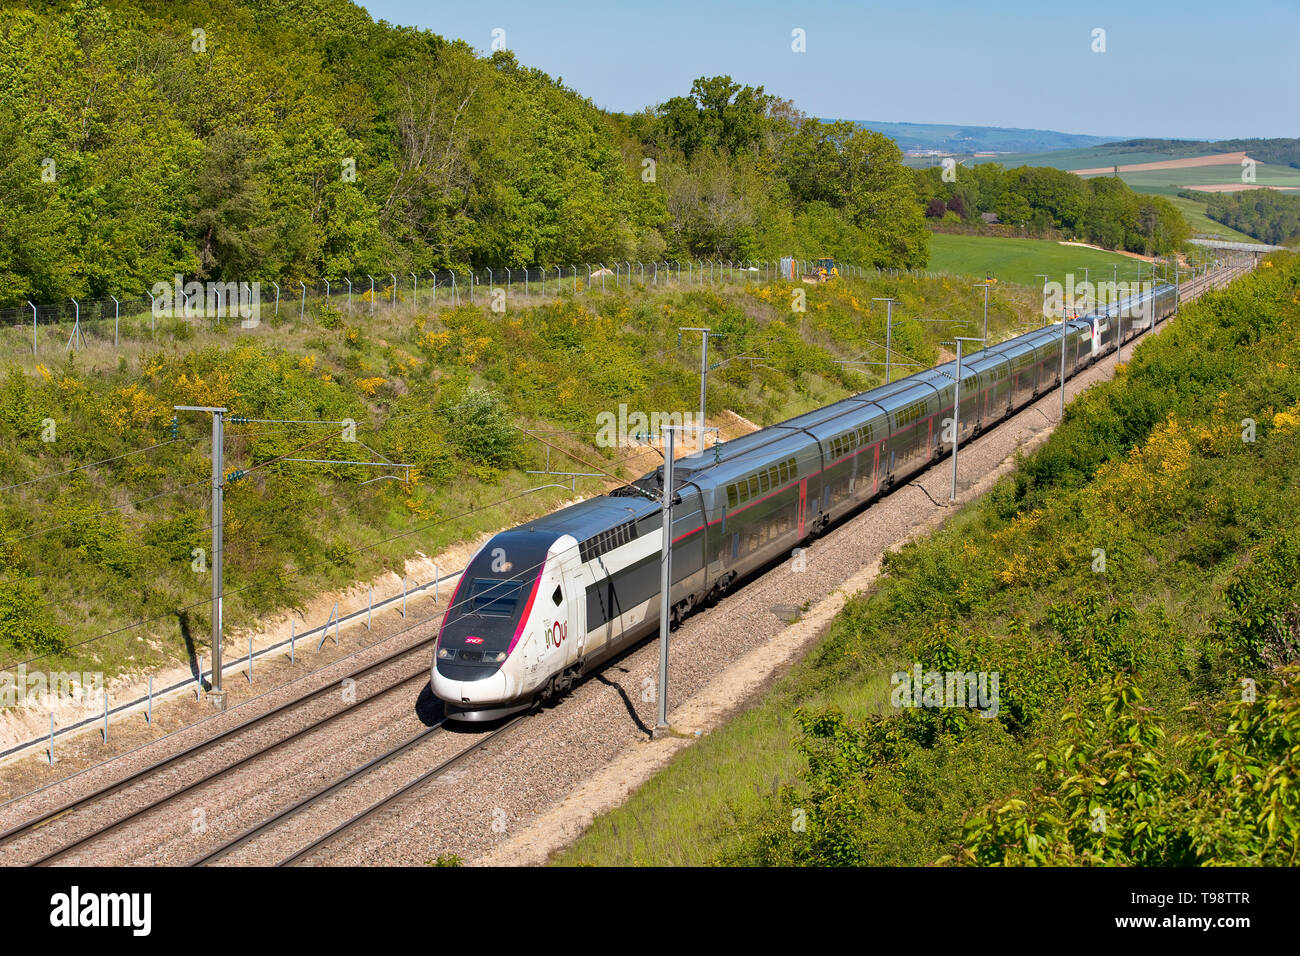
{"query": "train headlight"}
{"type": "Point", "coordinates": [500, 657]}
{"type": "Point", "coordinates": [446, 653]}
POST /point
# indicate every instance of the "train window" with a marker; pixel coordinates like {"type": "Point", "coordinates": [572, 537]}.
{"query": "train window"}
{"type": "Point", "coordinates": [762, 481]}
{"type": "Point", "coordinates": [774, 475]}
{"type": "Point", "coordinates": [753, 487]}
{"type": "Point", "coordinates": [558, 596]}
{"type": "Point", "coordinates": [794, 468]}
{"type": "Point", "coordinates": [785, 472]}
{"type": "Point", "coordinates": [733, 499]}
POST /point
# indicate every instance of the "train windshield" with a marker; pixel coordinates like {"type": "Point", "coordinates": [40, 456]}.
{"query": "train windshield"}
{"type": "Point", "coordinates": [492, 597]}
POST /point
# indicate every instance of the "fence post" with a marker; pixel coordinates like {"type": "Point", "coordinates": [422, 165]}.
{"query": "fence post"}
{"type": "Point", "coordinates": [51, 738]}
{"type": "Point", "coordinates": [105, 715]}
{"type": "Point", "coordinates": [292, 626]}
{"type": "Point", "coordinates": [393, 276]}
{"type": "Point", "coordinates": [415, 290]}
{"type": "Point", "coordinates": [436, 577]}
{"type": "Point", "coordinates": [434, 276]}
{"type": "Point", "coordinates": [198, 684]}
{"type": "Point", "coordinates": [277, 297]}
{"type": "Point", "coordinates": [370, 605]}
{"type": "Point", "coordinates": [117, 317]}
{"type": "Point", "coordinates": [455, 296]}
{"type": "Point", "coordinates": [325, 632]}
{"type": "Point", "coordinates": [302, 309]}
{"type": "Point", "coordinates": [372, 291]}
{"type": "Point", "coordinates": [76, 326]}
{"type": "Point", "coordinates": [29, 302]}
{"type": "Point", "coordinates": [349, 282]}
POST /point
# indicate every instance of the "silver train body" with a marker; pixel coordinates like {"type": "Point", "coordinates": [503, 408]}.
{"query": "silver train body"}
{"type": "Point", "coordinates": [540, 605]}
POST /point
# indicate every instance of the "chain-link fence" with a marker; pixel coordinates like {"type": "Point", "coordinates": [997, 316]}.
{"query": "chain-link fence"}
{"type": "Point", "coordinates": [58, 327]}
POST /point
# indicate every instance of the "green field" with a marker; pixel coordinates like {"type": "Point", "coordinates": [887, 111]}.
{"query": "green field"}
{"type": "Point", "coordinates": [1168, 182]}
{"type": "Point", "coordinates": [1083, 158]}
{"type": "Point", "coordinates": [1161, 181]}
{"type": "Point", "coordinates": [1021, 260]}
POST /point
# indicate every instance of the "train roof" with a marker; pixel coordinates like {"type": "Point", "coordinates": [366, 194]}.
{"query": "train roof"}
{"type": "Point", "coordinates": [737, 456]}
{"type": "Point", "coordinates": [586, 518]}
{"type": "Point", "coordinates": [917, 387]}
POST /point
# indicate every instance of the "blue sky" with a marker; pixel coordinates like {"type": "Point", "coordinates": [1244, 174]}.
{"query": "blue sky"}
{"type": "Point", "coordinates": [1191, 69]}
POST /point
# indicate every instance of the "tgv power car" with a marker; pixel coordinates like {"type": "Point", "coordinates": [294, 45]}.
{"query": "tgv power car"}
{"type": "Point", "coordinates": [542, 604]}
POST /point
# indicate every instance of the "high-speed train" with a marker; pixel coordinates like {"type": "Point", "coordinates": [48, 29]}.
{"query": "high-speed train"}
{"type": "Point", "coordinates": [542, 604]}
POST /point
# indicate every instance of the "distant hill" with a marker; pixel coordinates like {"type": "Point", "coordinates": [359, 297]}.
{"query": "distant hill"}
{"type": "Point", "coordinates": [920, 137]}
{"type": "Point", "coordinates": [1277, 152]}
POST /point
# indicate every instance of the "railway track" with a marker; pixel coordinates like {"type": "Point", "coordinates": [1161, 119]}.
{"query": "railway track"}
{"type": "Point", "coordinates": [89, 802]}
{"type": "Point", "coordinates": [356, 820]}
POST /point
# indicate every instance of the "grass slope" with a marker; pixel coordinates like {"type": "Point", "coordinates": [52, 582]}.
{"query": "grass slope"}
{"type": "Point", "coordinates": [1021, 260]}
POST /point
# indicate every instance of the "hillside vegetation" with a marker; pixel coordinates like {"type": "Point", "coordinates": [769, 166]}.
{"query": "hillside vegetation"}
{"type": "Point", "coordinates": [289, 139]}
{"type": "Point", "coordinates": [1136, 586]}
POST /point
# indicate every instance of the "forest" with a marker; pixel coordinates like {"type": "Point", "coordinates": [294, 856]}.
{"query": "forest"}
{"type": "Point", "coordinates": [1104, 210]}
{"type": "Point", "coordinates": [1268, 215]}
{"type": "Point", "coordinates": [291, 139]}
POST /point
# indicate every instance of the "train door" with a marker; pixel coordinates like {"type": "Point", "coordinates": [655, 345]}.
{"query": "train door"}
{"type": "Point", "coordinates": [566, 608]}
{"type": "Point", "coordinates": [803, 503]}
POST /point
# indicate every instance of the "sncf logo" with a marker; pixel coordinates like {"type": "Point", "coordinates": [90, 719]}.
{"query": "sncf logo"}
{"type": "Point", "coordinates": [473, 640]}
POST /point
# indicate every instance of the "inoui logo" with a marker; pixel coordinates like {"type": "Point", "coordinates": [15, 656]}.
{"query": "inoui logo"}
{"type": "Point", "coordinates": [76, 909]}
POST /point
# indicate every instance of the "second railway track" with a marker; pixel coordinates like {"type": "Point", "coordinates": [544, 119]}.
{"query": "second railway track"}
{"type": "Point", "coordinates": [34, 832]}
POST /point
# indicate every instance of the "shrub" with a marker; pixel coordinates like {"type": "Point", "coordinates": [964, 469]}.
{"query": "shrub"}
{"type": "Point", "coordinates": [27, 622]}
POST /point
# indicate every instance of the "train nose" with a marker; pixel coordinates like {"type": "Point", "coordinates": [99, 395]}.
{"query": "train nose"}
{"type": "Point", "coordinates": [490, 690]}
